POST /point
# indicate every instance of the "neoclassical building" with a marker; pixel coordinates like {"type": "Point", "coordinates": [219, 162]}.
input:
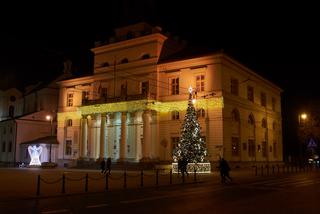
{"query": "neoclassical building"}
{"type": "Point", "coordinates": [133, 105]}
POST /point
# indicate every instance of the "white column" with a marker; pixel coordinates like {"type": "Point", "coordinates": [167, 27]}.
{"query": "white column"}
{"type": "Point", "coordinates": [102, 136]}
{"type": "Point", "coordinates": [146, 134]}
{"type": "Point", "coordinates": [123, 135]}
{"type": "Point", "coordinates": [84, 132]}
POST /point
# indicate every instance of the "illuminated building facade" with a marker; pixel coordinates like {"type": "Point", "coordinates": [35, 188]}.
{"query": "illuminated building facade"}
{"type": "Point", "coordinates": [132, 107]}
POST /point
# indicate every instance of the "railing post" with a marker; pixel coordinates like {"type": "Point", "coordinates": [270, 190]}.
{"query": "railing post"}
{"type": "Point", "coordinates": [141, 179]}
{"type": "Point", "coordinates": [195, 175]}
{"type": "Point", "coordinates": [38, 186]}
{"type": "Point", "coordinates": [63, 183]}
{"type": "Point", "coordinates": [267, 166]}
{"type": "Point", "coordinates": [256, 169]}
{"type": "Point", "coordinates": [107, 181]}
{"type": "Point", "coordinates": [170, 176]}
{"type": "Point", "coordinates": [272, 169]}
{"type": "Point", "coordinates": [182, 177]}
{"type": "Point", "coordinates": [125, 179]}
{"type": "Point", "coordinates": [86, 183]}
{"type": "Point", "coordinates": [262, 170]}
{"type": "Point", "coordinates": [157, 176]}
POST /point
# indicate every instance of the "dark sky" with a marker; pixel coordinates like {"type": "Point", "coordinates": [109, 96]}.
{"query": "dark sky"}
{"type": "Point", "coordinates": [278, 41]}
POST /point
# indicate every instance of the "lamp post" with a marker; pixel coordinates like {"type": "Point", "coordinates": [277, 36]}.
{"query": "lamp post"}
{"type": "Point", "coordinates": [302, 134]}
{"type": "Point", "coordinates": [49, 117]}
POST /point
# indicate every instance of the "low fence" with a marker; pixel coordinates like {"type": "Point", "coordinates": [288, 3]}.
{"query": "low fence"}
{"type": "Point", "coordinates": [139, 177]}
{"type": "Point", "coordinates": [284, 168]}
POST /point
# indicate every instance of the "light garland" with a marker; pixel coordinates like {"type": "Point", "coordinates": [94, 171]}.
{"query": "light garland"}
{"type": "Point", "coordinates": [192, 167]}
{"type": "Point", "coordinates": [141, 105]}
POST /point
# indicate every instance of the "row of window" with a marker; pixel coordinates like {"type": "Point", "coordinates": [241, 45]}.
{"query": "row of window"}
{"type": "Point", "coordinates": [251, 147]}
{"type": "Point", "coordinates": [235, 117]}
{"type": "Point", "coordinates": [175, 115]}
{"type": "Point", "coordinates": [200, 83]}
{"type": "Point", "coordinates": [234, 84]}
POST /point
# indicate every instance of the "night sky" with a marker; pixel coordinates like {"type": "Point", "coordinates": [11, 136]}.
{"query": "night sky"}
{"type": "Point", "coordinates": [279, 42]}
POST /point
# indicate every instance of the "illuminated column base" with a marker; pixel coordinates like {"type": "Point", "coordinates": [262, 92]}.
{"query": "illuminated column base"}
{"type": "Point", "coordinates": [200, 167]}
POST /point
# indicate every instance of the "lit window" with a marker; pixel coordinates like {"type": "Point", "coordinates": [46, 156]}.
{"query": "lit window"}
{"type": "Point", "coordinates": [175, 115]}
{"type": "Point", "coordinates": [10, 146]}
{"type": "Point", "coordinates": [263, 99]}
{"type": "Point", "coordinates": [275, 150]}
{"type": "Point", "coordinates": [70, 99]}
{"type": "Point", "coordinates": [251, 148]}
{"type": "Point", "coordinates": [264, 123]}
{"type": "Point", "coordinates": [174, 86]}
{"type": "Point", "coordinates": [234, 86]}
{"type": "Point", "coordinates": [145, 88]}
{"type": "Point", "coordinates": [264, 149]}
{"type": "Point", "coordinates": [201, 113]}
{"type": "Point", "coordinates": [200, 83]}
{"type": "Point", "coordinates": [273, 100]}
{"type": "Point", "coordinates": [3, 146]}
{"type": "Point", "coordinates": [85, 95]}
{"type": "Point", "coordinates": [174, 142]}
{"type": "Point", "coordinates": [69, 122]}
{"type": "Point", "coordinates": [250, 93]}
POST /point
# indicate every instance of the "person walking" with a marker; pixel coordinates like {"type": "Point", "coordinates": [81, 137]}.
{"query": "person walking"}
{"type": "Point", "coordinates": [103, 166]}
{"type": "Point", "coordinates": [224, 170]}
{"type": "Point", "coordinates": [109, 165]}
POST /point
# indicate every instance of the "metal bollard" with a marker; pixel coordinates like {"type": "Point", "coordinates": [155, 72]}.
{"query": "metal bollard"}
{"type": "Point", "coordinates": [125, 179]}
{"type": "Point", "coordinates": [195, 175]}
{"type": "Point", "coordinates": [107, 182]}
{"type": "Point", "coordinates": [86, 183]}
{"type": "Point", "coordinates": [256, 168]}
{"type": "Point", "coordinates": [63, 184]}
{"type": "Point", "coordinates": [170, 176]}
{"type": "Point", "coordinates": [261, 170]}
{"type": "Point", "coordinates": [38, 186]}
{"type": "Point", "coordinates": [272, 169]}
{"type": "Point", "coordinates": [267, 169]}
{"type": "Point", "coordinates": [141, 180]}
{"type": "Point", "coordinates": [157, 177]}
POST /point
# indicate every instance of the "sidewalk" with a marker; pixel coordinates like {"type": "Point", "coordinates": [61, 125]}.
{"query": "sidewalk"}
{"type": "Point", "coordinates": [20, 183]}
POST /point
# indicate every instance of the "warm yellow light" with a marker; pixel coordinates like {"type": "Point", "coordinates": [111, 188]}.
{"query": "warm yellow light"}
{"type": "Point", "coordinates": [194, 101]}
{"type": "Point", "coordinates": [304, 116]}
{"type": "Point", "coordinates": [48, 117]}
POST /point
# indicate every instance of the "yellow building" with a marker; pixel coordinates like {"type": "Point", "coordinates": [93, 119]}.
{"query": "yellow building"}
{"type": "Point", "coordinates": [133, 106]}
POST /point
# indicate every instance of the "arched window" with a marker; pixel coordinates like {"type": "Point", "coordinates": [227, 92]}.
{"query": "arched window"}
{"type": "Point", "coordinates": [251, 120]}
{"type": "Point", "coordinates": [125, 60]}
{"type": "Point", "coordinates": [145, 56]}
{"type": "Point", "coordinates": [264, 123]}
{"type": "Point", "coordinates": [235, 115]}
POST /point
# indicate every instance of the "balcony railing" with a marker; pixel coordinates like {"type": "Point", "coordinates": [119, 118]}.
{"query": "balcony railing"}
{"type": "Point", "coordinates": [103, 100]}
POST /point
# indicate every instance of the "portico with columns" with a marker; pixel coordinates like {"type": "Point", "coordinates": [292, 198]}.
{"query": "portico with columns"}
{"type": "Point", "coordinates": [122, 136]}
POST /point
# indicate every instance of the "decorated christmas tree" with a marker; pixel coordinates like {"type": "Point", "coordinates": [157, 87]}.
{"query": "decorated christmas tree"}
{"type": "Point", "coordinates": [191, 146]}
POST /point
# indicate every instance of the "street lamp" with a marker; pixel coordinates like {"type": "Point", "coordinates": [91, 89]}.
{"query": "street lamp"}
{"type": "Point", "coordinates": [302, 118]}
{"type": "Point", "coordinates": [49, 117]}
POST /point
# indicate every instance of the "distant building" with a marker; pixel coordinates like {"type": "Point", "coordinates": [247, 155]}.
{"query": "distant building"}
{"type": "Point", "coordinates": [23, 121]}
{"type": "Point", "coordinates": [132, 107]}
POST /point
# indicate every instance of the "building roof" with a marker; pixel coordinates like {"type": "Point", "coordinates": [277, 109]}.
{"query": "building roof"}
{"type": "Point", "coordinates": [43, 140]}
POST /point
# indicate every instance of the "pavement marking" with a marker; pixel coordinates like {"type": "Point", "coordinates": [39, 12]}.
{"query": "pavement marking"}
{"type": "Point", "coordinates": [97, 205]}
{"type": "Point", "coordinates": [170, 196]}
{"type": "Point", "coordinates": [55, 211]}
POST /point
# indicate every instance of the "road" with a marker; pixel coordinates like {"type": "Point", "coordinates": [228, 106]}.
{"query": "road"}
{"type": "Point", "coordinates": [285, 193]}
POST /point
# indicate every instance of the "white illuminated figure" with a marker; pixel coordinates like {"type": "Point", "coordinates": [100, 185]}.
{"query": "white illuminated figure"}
{"type": "Point", "coordinates": [34, 153]}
